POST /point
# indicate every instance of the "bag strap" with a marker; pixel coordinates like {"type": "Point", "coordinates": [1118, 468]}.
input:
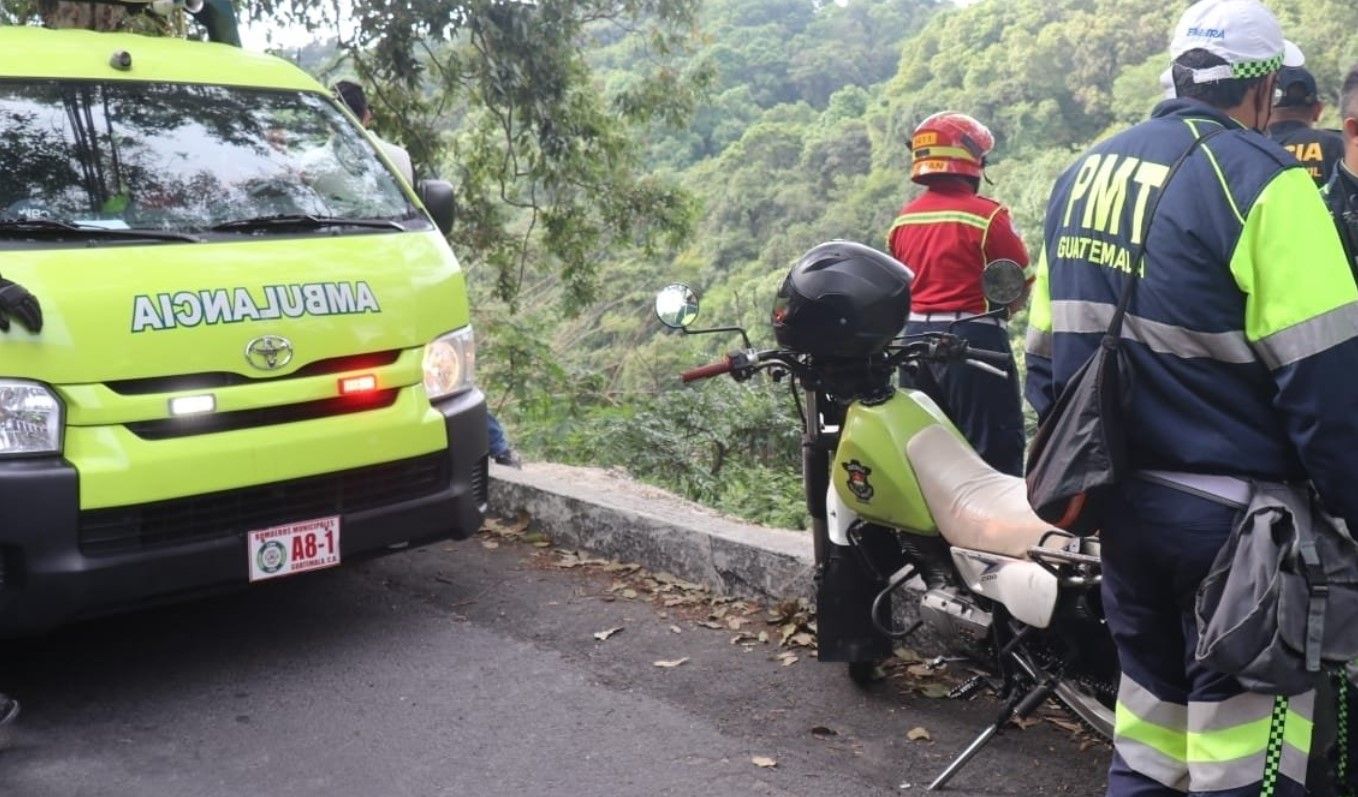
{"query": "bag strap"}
{"type": "Point", "coordinates": [1273, 750]}
{"type": "Point", "coordinates": [1342, 737]}
{"type": "Point", "coordinates": [1318, 595]}
{"type": "Point", "coordinates": [1139, 252]}
{"type": "Point", "coordinates": [1308, 561]}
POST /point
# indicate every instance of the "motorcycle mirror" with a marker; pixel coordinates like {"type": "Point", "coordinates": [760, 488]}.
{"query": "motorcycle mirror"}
{"type": "Point", "coordinates": [676, 306]}
{"type": "Point", "coordinates": [1003, 282]}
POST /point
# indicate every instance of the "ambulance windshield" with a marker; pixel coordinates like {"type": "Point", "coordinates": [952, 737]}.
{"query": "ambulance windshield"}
{"type": "Point", "coordinates": [186, 158]}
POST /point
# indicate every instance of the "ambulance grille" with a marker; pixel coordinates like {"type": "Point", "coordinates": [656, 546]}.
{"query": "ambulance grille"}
{"type": "Point", "coordinates": [233, 513]}
{"type": "Point", "coordinates": [211, 423]}
{"type": "Point", "coordinates": [219, 379]}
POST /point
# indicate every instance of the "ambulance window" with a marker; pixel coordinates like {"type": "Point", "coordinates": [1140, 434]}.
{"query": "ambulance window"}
{"type": "Point", "coordinates": [185, 157]}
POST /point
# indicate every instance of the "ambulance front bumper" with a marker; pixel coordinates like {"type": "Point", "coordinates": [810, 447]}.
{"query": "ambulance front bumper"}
{"type": "Point", "coordinates": [59, 564]}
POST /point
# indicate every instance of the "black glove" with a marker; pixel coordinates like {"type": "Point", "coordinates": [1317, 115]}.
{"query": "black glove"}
{"type": "Point", "coordinates": [18, 304]}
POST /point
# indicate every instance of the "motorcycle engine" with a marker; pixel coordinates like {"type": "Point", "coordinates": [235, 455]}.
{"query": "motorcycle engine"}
{"type": "Point", "coordinates": [951, 613]}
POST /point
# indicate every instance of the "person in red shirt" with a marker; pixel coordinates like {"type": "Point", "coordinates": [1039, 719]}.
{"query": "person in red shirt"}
{"type": "Point", "coordinates": [947, 235]}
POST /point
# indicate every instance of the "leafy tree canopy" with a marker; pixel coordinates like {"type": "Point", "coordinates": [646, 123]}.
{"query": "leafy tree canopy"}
{"type": "Point", "coordinates": [498, 96]}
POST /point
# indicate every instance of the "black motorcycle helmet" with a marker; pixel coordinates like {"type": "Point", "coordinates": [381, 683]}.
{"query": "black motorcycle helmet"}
{"type": "Point", "coordinates": [842, 300]}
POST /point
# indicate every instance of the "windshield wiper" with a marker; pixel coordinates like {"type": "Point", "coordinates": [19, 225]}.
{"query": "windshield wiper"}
{"type": "Point", "coordinates": [58, 229]}
{"type": "Point", "coordinates": [302, 221]}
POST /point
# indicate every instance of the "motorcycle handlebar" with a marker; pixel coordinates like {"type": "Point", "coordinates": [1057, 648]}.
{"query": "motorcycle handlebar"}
{"type": "Point", "coordinates": [708, 371]}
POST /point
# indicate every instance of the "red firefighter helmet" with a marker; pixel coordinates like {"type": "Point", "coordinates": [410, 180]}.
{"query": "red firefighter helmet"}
{"type": "Point", "coordinates": [949, 143]}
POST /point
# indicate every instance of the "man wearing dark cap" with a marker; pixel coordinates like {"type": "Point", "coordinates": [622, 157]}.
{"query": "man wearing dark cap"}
{"type": "Point", "coordinates": [1296, 108]}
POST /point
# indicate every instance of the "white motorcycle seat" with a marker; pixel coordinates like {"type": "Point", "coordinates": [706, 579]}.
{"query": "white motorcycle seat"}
{"type": "Point", "coordinates": [975, 505]}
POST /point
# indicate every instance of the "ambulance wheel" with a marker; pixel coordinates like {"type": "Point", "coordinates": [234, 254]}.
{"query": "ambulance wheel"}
{"type": "Point", "coordinates": [865, 674]}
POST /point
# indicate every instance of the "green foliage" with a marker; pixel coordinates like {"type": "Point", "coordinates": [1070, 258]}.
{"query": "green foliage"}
{"type": "Point", "coordinates": [500, 98]}
{"type": "Point", "coordinates": [723, 444]}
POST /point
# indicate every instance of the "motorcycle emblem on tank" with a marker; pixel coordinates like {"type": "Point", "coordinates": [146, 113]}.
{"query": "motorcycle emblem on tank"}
{"type": "Point", "coordinates": [858, 480]}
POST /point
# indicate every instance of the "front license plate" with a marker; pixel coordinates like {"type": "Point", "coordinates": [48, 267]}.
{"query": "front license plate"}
{"type": "Point", "coordinates": [294, 548]}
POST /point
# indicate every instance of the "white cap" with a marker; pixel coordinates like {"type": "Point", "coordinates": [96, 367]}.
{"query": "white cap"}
{"type": "Point", "coordinates": [1167, 90]}
{"type": "Point", "coordinates": [1244, 33]}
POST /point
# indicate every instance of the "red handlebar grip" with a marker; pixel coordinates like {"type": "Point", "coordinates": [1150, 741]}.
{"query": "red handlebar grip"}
{"type": "Point", "coordinates": [717, 368]}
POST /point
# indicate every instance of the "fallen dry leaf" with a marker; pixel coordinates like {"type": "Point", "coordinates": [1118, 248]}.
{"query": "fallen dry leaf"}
{"type": "Point", "coordinates": [629, 593]}
{"type": "Point", "coordinates": [490, 544]}
{"type": "Point", "coordinates": [934, 690]}
{"type": "Point", "coordinates": [668, 665]}
{"type": "Point", "coordinates": [764, 637]}
{"type": "Point", "coordinates": [674, 629]}
{"type": "Point", "coordinates": [907, 655]}
{"type": "Point", "coordinates": [606, 633]}
{"type": "Point", "coordinates": [919, 735]}
{"type": "Point", "coordinates": [1065, 724]}
{"type": "Point", "coordinates": [764, 762]}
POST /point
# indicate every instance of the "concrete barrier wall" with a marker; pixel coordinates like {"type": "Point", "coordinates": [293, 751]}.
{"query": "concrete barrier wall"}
{"type": "Point", "coordinates": [608, 515]}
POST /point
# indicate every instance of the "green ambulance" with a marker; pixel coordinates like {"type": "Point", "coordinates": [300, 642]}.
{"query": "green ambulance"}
{"type": "Point", "coordinates": [255, 356]}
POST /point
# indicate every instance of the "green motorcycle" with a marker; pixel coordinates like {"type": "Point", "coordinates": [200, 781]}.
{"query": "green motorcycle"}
{"type": "Point", "coordinates": [907, 519]}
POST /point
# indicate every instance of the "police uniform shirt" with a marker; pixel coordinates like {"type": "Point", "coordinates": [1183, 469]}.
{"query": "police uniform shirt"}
{"type": "Point", "coordinates": [1318, 150]}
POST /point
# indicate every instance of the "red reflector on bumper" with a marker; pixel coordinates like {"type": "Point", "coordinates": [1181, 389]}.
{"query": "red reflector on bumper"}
{"type": "Point", "coordinates": [351, 385]}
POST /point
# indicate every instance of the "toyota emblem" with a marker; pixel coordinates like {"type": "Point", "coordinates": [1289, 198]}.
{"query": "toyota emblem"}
{"type": "Point", "coordinates": [269, 352]}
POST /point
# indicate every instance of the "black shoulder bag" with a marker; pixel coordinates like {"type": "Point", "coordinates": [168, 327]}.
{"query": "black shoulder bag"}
{"type": "Point", "coordinates": [1080, 451]}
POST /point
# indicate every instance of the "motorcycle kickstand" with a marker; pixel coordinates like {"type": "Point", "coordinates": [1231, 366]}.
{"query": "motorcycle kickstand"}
{"type": "Point", "coordinates": [1017, 708]}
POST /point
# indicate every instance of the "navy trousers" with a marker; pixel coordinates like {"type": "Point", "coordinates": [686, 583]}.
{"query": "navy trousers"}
{"type": "Point", "coordinates": [499, 443]}
{"type": "Point", "coordinates": [986, 408]}
{"type": "Point", "coordinates": [1180, 726]}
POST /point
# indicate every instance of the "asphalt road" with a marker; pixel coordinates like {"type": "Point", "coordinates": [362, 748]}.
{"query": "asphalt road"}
{"type": "Point", "coordinates": [461, 670]}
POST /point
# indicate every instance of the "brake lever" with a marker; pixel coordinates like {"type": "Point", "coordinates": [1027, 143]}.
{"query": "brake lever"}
{"type": "Point", "coordinates": [987, 367]}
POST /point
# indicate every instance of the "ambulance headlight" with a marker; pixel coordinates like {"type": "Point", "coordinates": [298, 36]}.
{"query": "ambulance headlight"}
{"type": "Point", "coordinates": [30, 419]}
{"type": "Point", "coordinates": [449, 364]}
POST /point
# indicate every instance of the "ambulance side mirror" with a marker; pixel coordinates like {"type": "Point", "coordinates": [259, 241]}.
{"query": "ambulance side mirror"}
{"type": "Point", "coordinates": [439, 200]}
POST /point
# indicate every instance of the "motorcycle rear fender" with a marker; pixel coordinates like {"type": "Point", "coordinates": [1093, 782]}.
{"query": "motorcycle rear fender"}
{"type": "Point", "coordinates": [872, 475]}
{"type": "Point", "coordinates": [1024, 588]}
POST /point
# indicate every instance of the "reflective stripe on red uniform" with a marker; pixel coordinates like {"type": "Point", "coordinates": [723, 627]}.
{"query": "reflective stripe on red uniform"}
{"type": "Point", "coordinates": [947, 235]}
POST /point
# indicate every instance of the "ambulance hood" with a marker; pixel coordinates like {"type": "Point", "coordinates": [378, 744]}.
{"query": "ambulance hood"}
{"type": "Point", "coordinates": [117, 312]}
